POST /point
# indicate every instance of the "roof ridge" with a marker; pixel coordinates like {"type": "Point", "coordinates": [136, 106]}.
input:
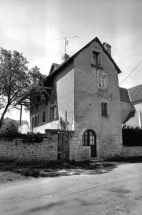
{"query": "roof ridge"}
{"type": "Point", "coordinates": [69, 59]}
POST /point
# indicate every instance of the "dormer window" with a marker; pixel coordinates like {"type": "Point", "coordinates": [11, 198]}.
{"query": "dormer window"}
{"type": "Point", "coordinates": [96, 59]}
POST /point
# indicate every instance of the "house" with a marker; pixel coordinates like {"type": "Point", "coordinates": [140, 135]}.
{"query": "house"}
{"type": "Point", "coordinates": [135, 97]}
{"type": "Point", "coordinates": [85, 102]}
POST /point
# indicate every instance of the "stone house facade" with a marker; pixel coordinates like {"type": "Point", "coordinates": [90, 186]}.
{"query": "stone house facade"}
{"type": "Point", "coordinates": [84, 98]}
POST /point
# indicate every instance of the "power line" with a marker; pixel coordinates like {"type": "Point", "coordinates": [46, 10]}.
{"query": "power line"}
{"type": "Point", "coordinates": [130, 73]}
{"type": "Point", "coordinates": [125, 79]}
{"type": "Point", "coordinates": [133, 75]}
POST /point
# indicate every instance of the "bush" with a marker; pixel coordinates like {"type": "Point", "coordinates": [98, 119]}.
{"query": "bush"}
{"type": "Point", "coordinates": [132, 136]}
{"type": "Point", "coordinates": [33, 138]}
{"type": "Point", "coordinates": [11, 134]}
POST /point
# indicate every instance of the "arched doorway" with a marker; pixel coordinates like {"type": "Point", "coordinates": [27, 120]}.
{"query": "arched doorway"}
{"type": "Point", "coordinates": [89, 139]}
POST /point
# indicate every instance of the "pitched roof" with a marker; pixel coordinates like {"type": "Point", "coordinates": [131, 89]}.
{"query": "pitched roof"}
{"type": "Point", "coordinates": [54, 67]}
{"type": "Point", "coordinates": [124, 95]}
{"type": "Point", "coordinates": [71, 58]}
{"type": "Point", "coordinates": [135, 93]}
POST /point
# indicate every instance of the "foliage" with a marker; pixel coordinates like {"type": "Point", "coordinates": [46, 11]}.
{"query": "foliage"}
{"type": "Point", "coordinates": [11, 133]}
{"type": "Point", "coordinates": [132, 136]}
{"type": "Point", "coordinates": [33, 138]}
{"type": "Point", "coordinates": [16, 80]}
{"type": "Point", "coordinates": [9, 127]}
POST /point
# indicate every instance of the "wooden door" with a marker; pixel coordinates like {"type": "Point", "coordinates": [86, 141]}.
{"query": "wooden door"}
{"type": "Point", "coordinates": [89, 139]}
{"type": "Point", "coordinates": [63, 146]}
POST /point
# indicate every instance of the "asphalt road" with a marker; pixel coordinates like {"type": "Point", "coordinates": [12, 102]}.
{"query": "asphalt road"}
{"type": "Point", "coordinates": [117, 192]}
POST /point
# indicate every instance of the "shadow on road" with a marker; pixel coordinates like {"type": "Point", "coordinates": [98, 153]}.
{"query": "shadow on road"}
{"type": "Point", "coordinates": [42, 208]}
{"type": "Point", "coordinates": [54, 169]}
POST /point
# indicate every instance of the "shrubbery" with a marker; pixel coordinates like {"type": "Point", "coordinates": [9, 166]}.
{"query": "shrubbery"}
{"type": "Point", "coordinates": [33, 138]}
{"type": "Point", "coordinates": [132, 136]}
{"type": "Point", "coordinates": [11, 133]}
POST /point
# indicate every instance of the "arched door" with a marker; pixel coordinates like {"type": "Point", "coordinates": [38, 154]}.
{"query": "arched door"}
{"type": "Point", "coordinates": [89, 139]}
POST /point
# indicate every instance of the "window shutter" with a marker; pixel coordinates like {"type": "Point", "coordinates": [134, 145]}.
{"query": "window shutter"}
{"type": "Point", "coordinates": [101, 108]}
{"type": "Point", "coordinates": [106, 80]}
{"type": "Point", "coordinates": [38, 119]}
{"type": "Point", "coordinates": [107, 109]}
{"type": "Point", "coordinates": [99, 60]}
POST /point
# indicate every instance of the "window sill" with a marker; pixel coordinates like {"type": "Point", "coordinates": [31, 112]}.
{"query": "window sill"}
{"type": "Point", "coordinates": [98, 67]}
{"type": "Point", "coordinates": [106, 117]}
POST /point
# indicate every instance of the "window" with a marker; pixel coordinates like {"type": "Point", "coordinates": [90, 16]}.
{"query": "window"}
{"type": "Point", "coordinates": [88, 138]}
{"type": "Point", "coordinates": [35, 121]}
{"type": "Point", "coordinates": [44, 116]}
{"type": "Point", "coordinates": [32, 122]}
{"type": "Point", "coordinates": [96, 58]}
{"type": "Point", "coordinates": [38, 119]}
{"type": "Point", "coordinates": [102, 80]}
{"type": "Point", "coordinates": [104, 109]}
{"type": "Point", "coordinates": [53, 113]}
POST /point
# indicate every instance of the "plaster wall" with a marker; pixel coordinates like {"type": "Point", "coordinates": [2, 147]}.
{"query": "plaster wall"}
{"type": "Point", "coordinates": [64, 82]}
{"type": "Point", "coordinates": [49, 125]}
{"type": "Point", "coordinates": [87, 104]}
{"type": "Point", "coordinates": [65, 100]}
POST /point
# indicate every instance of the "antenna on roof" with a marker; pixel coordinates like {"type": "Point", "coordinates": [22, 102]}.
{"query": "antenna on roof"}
{"type": "Point", "coordinates": [66, 42]}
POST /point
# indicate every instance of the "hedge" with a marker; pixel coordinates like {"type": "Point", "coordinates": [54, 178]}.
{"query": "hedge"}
{"type": "Point", "coordinates": [132, 136]}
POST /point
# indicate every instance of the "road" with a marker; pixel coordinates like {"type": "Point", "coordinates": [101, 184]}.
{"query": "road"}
{"type": "Point", "coordinates": [117, 192]}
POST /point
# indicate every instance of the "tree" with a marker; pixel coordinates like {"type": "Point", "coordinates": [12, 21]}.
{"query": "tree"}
{"type": "Point", "coordinates": [16, 80]}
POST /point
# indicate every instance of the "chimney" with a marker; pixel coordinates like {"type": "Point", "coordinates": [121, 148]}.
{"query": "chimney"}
{"type": "Point", "coordinates": [65, 57]}
{"type": "Point", "coordinates": [107, 47]}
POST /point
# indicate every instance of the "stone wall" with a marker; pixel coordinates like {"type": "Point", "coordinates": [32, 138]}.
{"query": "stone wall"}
{"type": "Point", "coordinates": [29, 152]}
{"type": "Point", "coordinates": [110, 146]}
{"type": "Point", "coordinates": [132, 151]}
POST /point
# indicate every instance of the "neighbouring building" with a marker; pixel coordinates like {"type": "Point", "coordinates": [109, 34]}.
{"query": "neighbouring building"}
{"type": "Point", "coordinates": [14, 124]}
{"type": "Point", "coordinates": [135, 98]}
{"type": "Point", "coordinates": [85, 100]}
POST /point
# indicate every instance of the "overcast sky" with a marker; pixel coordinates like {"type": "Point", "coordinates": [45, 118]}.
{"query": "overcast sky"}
{"type": "Point", "coordinates": [32, 27]}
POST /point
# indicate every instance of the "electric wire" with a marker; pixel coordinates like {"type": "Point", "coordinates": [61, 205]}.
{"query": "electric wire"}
{"type": "Point", "coordinates": [130, 73]}
{"type": "Point", "coordinates": [133, 76]}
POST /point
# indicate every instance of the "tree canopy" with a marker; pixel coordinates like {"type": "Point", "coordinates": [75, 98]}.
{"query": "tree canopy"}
{"type": "Point", "coordinates": [16, 80]}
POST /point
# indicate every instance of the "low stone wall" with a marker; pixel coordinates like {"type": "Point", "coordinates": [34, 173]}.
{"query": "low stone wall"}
{"type": "Point", "coordinates": [132, 151]}
{"type": "Point", "coordinates": [29, 152]}
{"type": "Point", "coordinates": [110, 147]}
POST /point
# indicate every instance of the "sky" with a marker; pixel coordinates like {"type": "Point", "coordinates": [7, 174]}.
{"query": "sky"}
{"type": "Point", "coordinates": [34, 28]}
